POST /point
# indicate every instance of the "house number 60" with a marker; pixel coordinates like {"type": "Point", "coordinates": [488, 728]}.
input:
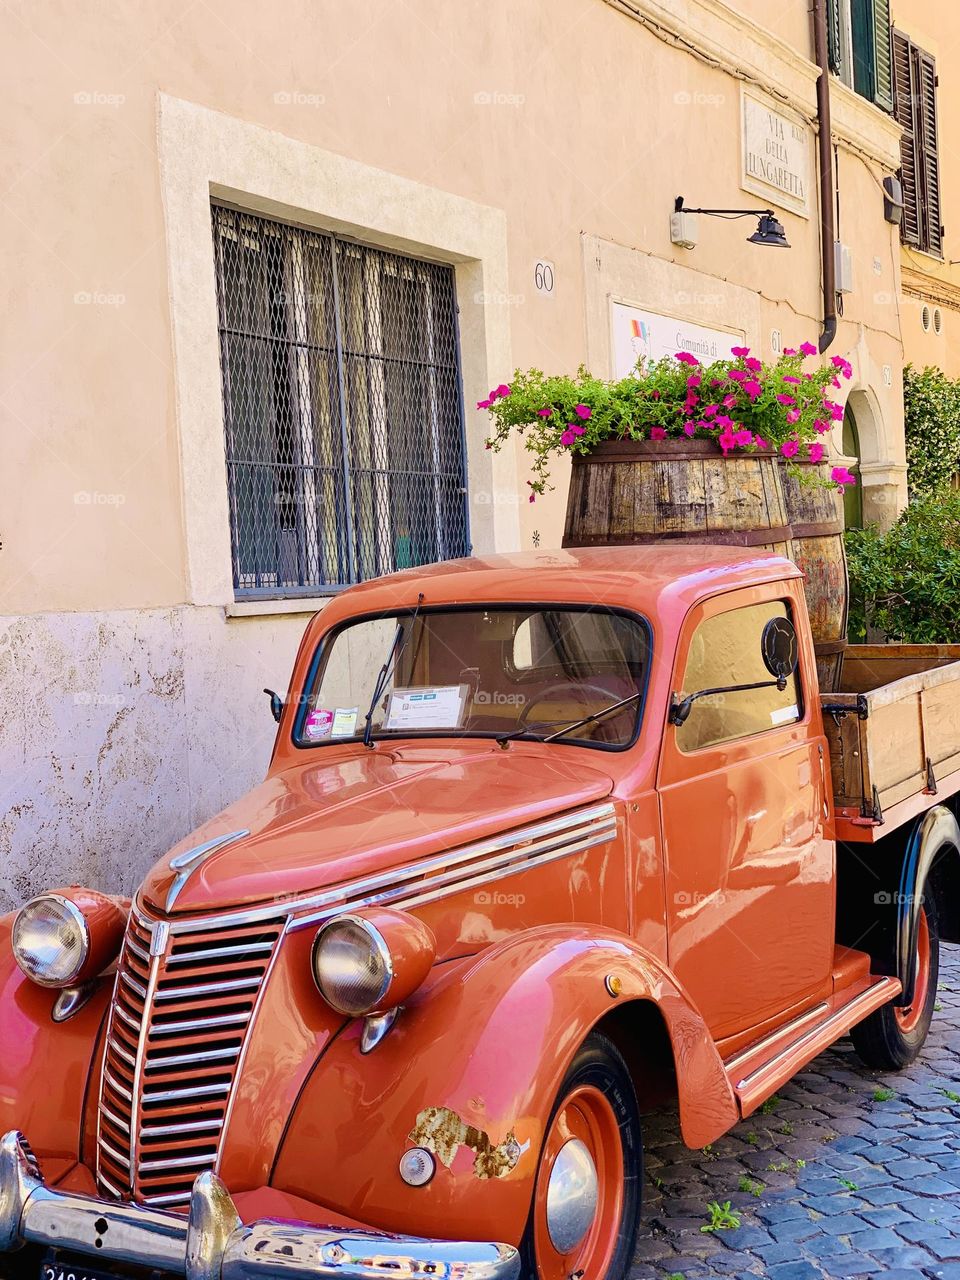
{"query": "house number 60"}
{"type": "Point", "coordinates": [543, 276]}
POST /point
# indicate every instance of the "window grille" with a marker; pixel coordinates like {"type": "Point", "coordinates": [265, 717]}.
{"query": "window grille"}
{"type": "Point", "coordinates": [343, 408]}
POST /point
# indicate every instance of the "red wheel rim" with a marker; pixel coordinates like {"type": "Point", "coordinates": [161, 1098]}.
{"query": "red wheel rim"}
{"type": "Point", "coordinates": [908, 1017]}
{"type": "Point", "coordinates": [587, 1116]}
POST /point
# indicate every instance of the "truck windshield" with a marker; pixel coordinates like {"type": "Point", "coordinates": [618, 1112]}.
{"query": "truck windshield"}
{"type": "Point", "coordinates": [467, 672]}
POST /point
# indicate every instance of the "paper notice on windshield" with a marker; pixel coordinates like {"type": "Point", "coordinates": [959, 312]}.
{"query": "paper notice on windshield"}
{"type": "Point", "coordinates": [432, 707]}
{"type": "Point", "coordinates": [345, 722]}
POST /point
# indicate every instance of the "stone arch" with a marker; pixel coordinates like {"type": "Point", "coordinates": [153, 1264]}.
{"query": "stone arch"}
{"type": "Point", "coordinates": [882, 491]}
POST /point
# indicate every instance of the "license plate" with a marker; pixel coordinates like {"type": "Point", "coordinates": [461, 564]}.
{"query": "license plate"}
{"type": "Point", "coordinates": [74, 1271]}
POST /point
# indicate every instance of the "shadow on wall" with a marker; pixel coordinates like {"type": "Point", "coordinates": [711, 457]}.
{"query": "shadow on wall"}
{"type": "Point", "coordinates": [121, 732]}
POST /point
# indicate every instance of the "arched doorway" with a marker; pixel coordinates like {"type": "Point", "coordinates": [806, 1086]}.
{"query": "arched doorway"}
{"type": "Point", "coordinates": [852, 494]}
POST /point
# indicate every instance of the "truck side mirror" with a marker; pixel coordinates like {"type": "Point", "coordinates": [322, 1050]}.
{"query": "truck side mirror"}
{"type": "Point", "coordinates": [779, 648]}
{"type": "Point", "coordinates": [276, 704]}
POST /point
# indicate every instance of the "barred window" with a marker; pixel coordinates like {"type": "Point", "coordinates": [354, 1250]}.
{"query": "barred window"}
{"type": "Point", "coordinates": [343, 408]}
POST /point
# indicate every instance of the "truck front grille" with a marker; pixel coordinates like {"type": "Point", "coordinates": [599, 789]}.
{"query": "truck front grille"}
{"type": "Point", "coordinates": [174, 1041]}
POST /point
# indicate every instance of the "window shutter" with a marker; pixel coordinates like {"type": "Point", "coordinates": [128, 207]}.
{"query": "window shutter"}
{"type": "Point", "coordinates": [834, 54]}
{"type": "Point", "coordinates": [903, 114]}
{"type": "Point", "coordinates": [883, 81]}
{"type": "Point", "coordinates": [864, 59]}
{"type": "Point", "coordinates": [925, 129]}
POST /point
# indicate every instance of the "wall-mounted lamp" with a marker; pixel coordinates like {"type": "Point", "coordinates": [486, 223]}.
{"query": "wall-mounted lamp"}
{"type": "Point", "coordinates": [683, 225]}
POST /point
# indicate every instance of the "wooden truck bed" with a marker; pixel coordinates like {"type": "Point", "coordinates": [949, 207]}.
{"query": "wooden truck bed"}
{"type": "Point", "coordinates": [894, 735]}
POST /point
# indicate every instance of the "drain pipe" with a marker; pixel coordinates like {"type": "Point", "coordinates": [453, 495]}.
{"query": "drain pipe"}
{"type": "Point", "coordinates": [827, 193]}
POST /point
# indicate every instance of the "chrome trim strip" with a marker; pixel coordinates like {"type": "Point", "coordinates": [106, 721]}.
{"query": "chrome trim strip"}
{"type": "Point", "coordinates": [229, 1020]}
{"type": "Point", "coordinates": [182, 1162]}
{"type": "Point", "coordinates": [138, 950]}
{"type": "Point", "coordinates": [194, 1091]}
{"type": "Point", "coordinates": [112, 1151]}
{"type": "Point", "coordinates": [207, 989]}
{"type": "Point", "coordinates": [114, 1119]}
{"type": "Point", "coordinates": [110, 1187]}
{"type": "Point", "coordinates": [206, 1055]}
{"type": "Point", "coordinates": [141, 1054]}
{"type": "Point", "coordinates": [118, 1048]}
{"type": "Point", "coordinates": [344, 893]}
{"type": "Point", "coordinates": [744, 1055]}
{"type": "Point", "coordinates": [840, 1015]}
{"type": "Point", "coordinates": [117, 1086]}
{"type": "Point", "coordinates": [128, 1018]}
{"type": "Point", "coordinates": [243, 949]}
{"type": "Point", "coordinates": [134, 985]}
{"type": "Point", "coordinates": [186, 863]}
{"type": "Point", "coordinates": [196, 1126]}
{"type": "Point", "coordinates": [179, 1197]}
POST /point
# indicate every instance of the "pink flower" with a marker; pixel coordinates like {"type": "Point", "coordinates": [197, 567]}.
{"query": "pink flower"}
{"type": "Point", "coordinates": [727, 440]}
{"type": "Point", "coordinates": [807, 349]}
{"type": "Point", "coordinates": [816, 451]}
{"type": "Point", "coordinates": [845, 367]}
{"type": "Point", "coordinates": [484, 404]}
{"type": "Point", "coordinates": [792, 416]}
{"type": "Point", "coordinates": [835, 410]}
{"type": "Point", "coordinates": [835, 382]}
{"type": "Point", "coordinates": [789, 378]}
{"type": "Point", "coordinates": [789, 351]}
{"type": "Point", "coordinates": [582, 410]}
{"type": "Point", "coordinates": [710, 410]}
{"type": "Point", "coordinates": [567, 437]}
{"type": "Point", "coordinates": [753, 388]}
{"type": "Point", "coordinates": [654, 395]}
{"type": "Point", "coordinates": [694, 380]}
{"type": "Point", "coordinates": [533, 497]}
{"type": "Point", "coordinates": [716, 382]}
{"type": "Point", "coordinates": [789, 448]}
{"type": "Point", "coordinates": [740, 352]}
{"type": "Point", "coordinates": [820, 426]}
{"type": "Point", "coordinates": [753, 364]}
{"type": "Point", "coordinates": [691, 402]}
{"type": "Point", "coordinates": [658, 433]}
{"type": "Point", "coordinates": [760, 442]}
{"type": "Point", "coordinates": [723, 421]}
{"type": "Point", "coordinates": [737, 375]}
{"type": "Point", "coordinates": [685, 357]}
{"type": "Point", "coordinates": [841, 476]}
{"type": "Point", "coordinates": [785, 400]}
{"type": "Point", "coordinates": [690, 428]}
{"type": "Point", "coordinates": [502, 391]}
{"type": "Point", "coordinates": [544, 413]}
{"type": "Point", "coordinates": [729, 401]}
{"type": "Point", "coordinates": [576, 428]}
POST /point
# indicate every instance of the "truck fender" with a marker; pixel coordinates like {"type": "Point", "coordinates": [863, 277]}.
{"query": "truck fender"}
{"type": "Point", "coordinates": [471, 1070]}
{"type": "Point", "coordinates": [936, 833]}
{"type": "Point", "coordinates": [45, 1066]}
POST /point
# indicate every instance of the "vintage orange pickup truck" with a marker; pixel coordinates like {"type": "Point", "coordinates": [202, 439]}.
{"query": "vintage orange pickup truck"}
{"type": "Point", "coordinates": [546, 840]}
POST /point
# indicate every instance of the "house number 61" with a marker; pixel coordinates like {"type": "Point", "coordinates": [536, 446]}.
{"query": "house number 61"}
{"type": "Point", "coordinates": [543, 276]}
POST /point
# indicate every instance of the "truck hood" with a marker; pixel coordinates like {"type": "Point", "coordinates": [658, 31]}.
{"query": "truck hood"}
{"type": "Point", "coordinates": [328, 821]}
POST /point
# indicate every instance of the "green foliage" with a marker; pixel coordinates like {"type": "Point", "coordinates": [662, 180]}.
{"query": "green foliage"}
{"type": "Point", "coordinates": [750, 1186]}
{"type": "Point", "coordinates": [770, 1105]}
{"type": "Point", "coordinates": [931, 403]}
{"type": "Point", "coordinates": [850, 1186]}
{"type": "Point", "coordinates": [883, 1095]}
{"type": "Point", "coordinates": [722, 1217]}
{"type": "Point", "coordinates": [905, 583]}
{"type": "Point", "coordinates": [949, 1093]}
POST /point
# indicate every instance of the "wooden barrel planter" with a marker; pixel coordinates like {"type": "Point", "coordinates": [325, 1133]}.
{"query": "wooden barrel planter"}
{"type": "Point", "coordinates": [815, 516]}
{"type": "Point", "coordinates": [637, 491]}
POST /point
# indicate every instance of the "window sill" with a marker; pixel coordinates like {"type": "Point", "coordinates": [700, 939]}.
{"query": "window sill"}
{"type": "Point", "coordinates": [273, 608]}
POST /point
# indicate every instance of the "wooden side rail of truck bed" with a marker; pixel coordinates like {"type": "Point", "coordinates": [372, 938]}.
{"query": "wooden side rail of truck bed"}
{"type": "Point", "coordinates": [894, 735]}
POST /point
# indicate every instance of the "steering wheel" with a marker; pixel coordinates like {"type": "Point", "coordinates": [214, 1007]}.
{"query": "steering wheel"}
{"type": "Point", "coordinates": [567, 687]}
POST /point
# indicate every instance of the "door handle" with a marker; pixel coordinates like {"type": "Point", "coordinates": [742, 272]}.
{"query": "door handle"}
{"type": "Point", "coordinates": [823, 781]}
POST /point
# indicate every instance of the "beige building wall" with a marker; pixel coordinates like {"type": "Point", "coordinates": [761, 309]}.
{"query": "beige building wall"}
{"type": "Point", "coordinates": [486, 134]}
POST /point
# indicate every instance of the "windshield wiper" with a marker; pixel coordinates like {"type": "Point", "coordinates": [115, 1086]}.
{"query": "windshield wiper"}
{"type": "Point", "coordinates": [386, 671]}
{"type": "Point", "coordinates": [568, 726]}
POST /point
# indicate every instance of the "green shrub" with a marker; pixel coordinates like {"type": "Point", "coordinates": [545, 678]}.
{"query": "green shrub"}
{"type": "Point", "coordinates": [931, 405]}
{"type": "Point", "coordinates": [905, 583]}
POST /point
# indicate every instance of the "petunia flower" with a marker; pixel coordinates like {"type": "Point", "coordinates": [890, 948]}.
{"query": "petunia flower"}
{"type": "Point", "coordinates": [723, 421]}
{"type": "Point", "coordinates": [686, 357]}
{"type": "Point", "coordinates": [841, 476]}
{"type": "Point", "coordinates": [740, 352]}
{"type": "Point", "coordinates": [729, 401]}
{"type": "Point", "coordinates": [690, 428]}
{"type": "Point", "coordinates": [789, 351]}
{"type": "Point", "coordinates": [789, 448]}
{"type": "Point", "coordinates": [484, 404]}
{"type": "Point", "coordinates": [845, 367]}
{"type": "Point", "coordinates": [753, 364]}
{"type": "Point", "coordinates": [658, 433]}
{"type": "Point", "coordinates": [654, 394]}
{"type": "Point", "coordinates": [820, 426]}
{"type": "Point", "coordinates": [761, 443]}
{"type": "Point", "coordinates": [807, 349]}
{"type": "Point", "coordinates": [710, 410]}
{"type": "Point", "coordinates": [753, 388]}
{"type": "Point", "coordinates": [785, 400]}
{"type": "Point", "coordinates": [582, 410]}
{"type": "Point", "coordinates": [790, 378]}
{"type": "Point", "coordinates": [694, 380]}
{"type": "Point", "coordinates": [738, 375]}
{"type": "Point", "coordinates": [835, 410]}
{"type": "Point", "coordinates": [532, 498]}
{"type": "Point", "coordinates": [544, 413]}
{"type": "Point", "coordinates": [502, 391]}
{"type": "Point", "coordinates": [816, 451]}
{"type": "Point", "coordinates": [567, 437]}
{"type": "Point", "coordinates": [792, 416]}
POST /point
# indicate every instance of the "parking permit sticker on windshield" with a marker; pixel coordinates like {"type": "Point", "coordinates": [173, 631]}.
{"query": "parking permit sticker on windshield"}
{"type": "Point", "coordinates": [432, 707]}
{"type": "Point", "coordinates": [318, 724]}
{"type": "Point", "coordinates": [345, 722]}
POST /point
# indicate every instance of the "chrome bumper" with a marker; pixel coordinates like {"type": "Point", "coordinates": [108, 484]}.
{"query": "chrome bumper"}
{"type": "Point", "coordinates": [212, 1243]}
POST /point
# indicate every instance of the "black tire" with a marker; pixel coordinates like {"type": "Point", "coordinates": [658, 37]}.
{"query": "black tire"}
{"type": "Point", "coordinates": [598, 1063]}
{"type": "Point", "coordinates": [880, 1039]}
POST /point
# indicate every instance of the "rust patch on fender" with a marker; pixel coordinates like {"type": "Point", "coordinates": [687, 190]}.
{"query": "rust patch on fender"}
{"type": "Point", "coordinates": [443, 1132]}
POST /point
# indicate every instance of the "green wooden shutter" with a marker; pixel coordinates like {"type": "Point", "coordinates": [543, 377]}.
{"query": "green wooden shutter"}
{"type": "Point", "coordinates": [903, 98]}
{"type": "Point", "coordinates": [883, 80]}
{"type": "Point", "coordinates": [925, 129]}
{"type": "Point", "coordinates": [834, 53]}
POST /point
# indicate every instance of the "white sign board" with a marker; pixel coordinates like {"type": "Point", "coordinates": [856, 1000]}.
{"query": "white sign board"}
{"type": "Point", "coordinates": [437, 707]}
{"type": "Point", "coordinates": [647, 335]}
{"type": "Point", "coordinates": [775, 154]}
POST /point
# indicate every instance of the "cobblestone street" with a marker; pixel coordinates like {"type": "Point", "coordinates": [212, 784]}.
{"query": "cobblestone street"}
{"type": "Point", "coordinates": [834, 1178]}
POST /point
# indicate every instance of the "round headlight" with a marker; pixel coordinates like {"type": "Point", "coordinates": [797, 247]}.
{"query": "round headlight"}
{"type": "Point", "coordinates": [352, 965]}
{"type": "Point", "coordinates": [51, 940]}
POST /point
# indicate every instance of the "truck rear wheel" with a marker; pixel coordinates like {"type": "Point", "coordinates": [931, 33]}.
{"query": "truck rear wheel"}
{"type": "Point", "coordinates": [892, 1037]}
{"type": "Point", "coordinates": [586, 1202]}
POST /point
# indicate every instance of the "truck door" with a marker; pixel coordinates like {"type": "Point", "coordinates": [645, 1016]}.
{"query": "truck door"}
{"type": "Point", "coordinates": [749, 868]}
